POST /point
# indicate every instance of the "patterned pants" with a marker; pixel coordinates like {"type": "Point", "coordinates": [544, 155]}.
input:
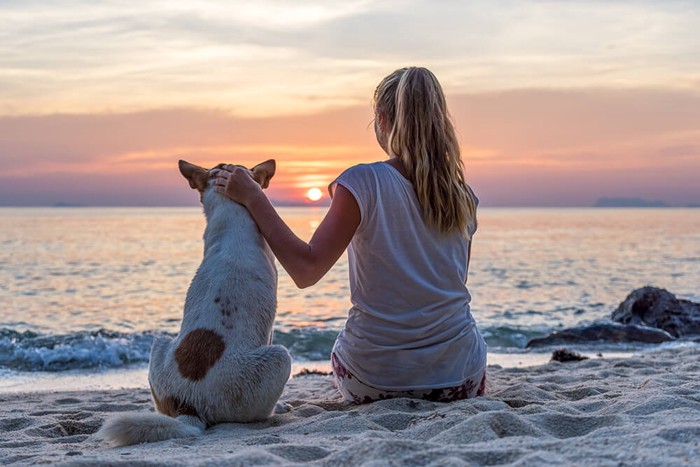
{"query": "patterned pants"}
{"type": "Point", "coordinates": [358, 392]}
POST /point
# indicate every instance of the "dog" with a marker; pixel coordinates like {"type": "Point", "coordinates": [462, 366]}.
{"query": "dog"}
{"type": "Point", "coordinates": [222, 367]}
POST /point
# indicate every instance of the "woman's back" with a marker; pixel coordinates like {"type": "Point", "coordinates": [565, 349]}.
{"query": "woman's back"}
{"type": "Point", "coordinates": [410, 326]}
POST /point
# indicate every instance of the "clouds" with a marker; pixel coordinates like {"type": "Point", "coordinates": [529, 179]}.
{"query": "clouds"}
{"type": "Point", "coordinates": [534, 147]}
{"type": "Point", "coordinates": [45, 159]}
{"type": "Point", "coordinates": [272, 58]}
{"type": "Point", "coordinates": [556, 102]}
{"type": "Point", "coordinates": [93, 57]}
{"type": "Point", "coordinates": [572, 147]}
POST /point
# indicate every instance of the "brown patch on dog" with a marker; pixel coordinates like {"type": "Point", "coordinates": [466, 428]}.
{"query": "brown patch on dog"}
{"type": "Point", "coordinates": [199, 351]}
{"type": "Point", "coordinates": [176, 407]}
{"type": "Point", "coordinates": [173, 407]}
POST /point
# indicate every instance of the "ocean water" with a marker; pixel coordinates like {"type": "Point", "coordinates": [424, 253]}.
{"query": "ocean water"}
{"type": "Point", "coordinates": [84, 290]}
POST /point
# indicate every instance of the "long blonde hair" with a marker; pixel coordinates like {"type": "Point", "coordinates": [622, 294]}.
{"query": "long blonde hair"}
{"type": "Point", "coordinates": [412, 104]}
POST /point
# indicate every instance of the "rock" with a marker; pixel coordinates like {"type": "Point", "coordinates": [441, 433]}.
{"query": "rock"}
{"type": "Point", "coordinates": [603, 331]}
{"type": "Point", "coordinates": [649, 314]}
{"type": "Point", "coordinates": [651, 306]}
{"type": "Point", "coordinates": [565, 355]}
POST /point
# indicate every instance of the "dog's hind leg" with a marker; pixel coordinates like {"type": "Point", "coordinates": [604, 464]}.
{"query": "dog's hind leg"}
{"type": "Point", "coordinates": [260, 380]}
{"type": "Point", "coordinates": [157, 371]}
{"type": "Point", "coordinates": [273, 366]}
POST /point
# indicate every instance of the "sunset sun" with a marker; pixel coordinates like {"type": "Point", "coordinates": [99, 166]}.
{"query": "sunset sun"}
{"type": "Point", "coordinates": [314, 194]}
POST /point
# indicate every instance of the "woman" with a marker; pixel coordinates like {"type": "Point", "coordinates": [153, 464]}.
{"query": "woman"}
{"type": "Point", "coordinates": [407, 223]}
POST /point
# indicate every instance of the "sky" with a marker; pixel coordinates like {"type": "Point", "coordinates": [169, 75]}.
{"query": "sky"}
{"type": "Point", "coordinates": [556, 103]}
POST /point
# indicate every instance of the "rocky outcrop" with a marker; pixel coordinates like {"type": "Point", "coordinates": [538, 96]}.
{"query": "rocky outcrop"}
{"type": "Point", "coordinates": [649, 315]}
{"type": "Point", "coordinates": [604, 331]}
{"type": "Point", "coordinates": [651, 306]}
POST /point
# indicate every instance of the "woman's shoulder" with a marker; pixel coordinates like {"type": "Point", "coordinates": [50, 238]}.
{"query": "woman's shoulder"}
{"type": "Point", "coordinates": [364, 168]}
{"type": "Point", "coordinates": [358, 179]}
{"type": "Point", "coordinates": [361, 172]}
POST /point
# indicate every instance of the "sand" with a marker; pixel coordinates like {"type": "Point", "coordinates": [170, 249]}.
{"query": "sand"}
{"type": "Point", "coordinates": [642, 410]}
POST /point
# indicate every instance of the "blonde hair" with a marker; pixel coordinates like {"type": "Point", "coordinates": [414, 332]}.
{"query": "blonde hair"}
{"type": "Point", "coordinates": [412, 104]}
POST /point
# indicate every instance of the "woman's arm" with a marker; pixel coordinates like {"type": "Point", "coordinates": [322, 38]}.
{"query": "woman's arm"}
{"type": "Point", "coordinates": [306, 263]}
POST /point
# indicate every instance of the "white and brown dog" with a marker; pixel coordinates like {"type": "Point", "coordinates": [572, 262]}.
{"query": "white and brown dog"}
{"type": "Point", "coordinates": [221, 367]}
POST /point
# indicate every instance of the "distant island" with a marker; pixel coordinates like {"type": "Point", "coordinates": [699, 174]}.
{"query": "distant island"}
{"type": "Point", "coordinates": [629, 203]}
{"type": "Point", "coordinates": [604, 202]}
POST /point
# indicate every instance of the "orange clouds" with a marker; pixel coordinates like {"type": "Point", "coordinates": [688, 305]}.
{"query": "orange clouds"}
{"type": "Point", "coordinates": [141, 151]}
{"type": "Point", "coordinates": [570, 147]}
{"type": "Point", "coordinates": [520, 148]}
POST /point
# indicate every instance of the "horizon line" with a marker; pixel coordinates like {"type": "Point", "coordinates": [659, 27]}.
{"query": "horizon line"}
{"type": "Point", "coordinates": [287, 204]}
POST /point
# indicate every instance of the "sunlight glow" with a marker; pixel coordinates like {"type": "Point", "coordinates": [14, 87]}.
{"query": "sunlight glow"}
{"type": "Point", "coordinates": [314, 194]}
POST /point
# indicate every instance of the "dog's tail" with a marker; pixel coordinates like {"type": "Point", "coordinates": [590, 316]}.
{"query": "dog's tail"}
{"type": "Point", "coordinates": [135, 428]}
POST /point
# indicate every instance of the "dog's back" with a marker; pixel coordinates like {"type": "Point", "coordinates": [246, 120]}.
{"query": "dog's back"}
{"type": "Point", "coordinates": [234, 288]}
{"type": "Point", "coordinates": [221, 367]}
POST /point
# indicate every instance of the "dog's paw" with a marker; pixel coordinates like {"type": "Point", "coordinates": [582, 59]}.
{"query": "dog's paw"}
{"type": "Point", "coordinates": [282, 407]}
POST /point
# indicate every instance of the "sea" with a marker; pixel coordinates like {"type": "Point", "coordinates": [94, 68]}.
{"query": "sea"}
{"type": "Point", "coordinates": [83, 291]}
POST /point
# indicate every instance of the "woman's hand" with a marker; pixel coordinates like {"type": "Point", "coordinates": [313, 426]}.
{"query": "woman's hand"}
{"type": "Point", "coordinates": [237, 183]}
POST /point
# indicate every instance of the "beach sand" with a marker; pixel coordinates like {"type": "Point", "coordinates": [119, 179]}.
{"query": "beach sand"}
{"type": "Point", "coordinates": [641, 410]}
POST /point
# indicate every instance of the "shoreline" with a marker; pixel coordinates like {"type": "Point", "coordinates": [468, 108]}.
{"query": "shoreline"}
{"type": "Point", "coordinates": [644, 409]}
{"type": "Point", "coordinates": [136, 376]}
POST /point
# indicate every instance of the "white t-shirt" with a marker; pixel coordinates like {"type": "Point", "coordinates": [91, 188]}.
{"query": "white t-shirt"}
{"type": "Point", "coordinates": [410, 326]}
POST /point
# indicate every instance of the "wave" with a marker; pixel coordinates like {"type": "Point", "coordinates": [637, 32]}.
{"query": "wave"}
{"type": "Point", "coordinates": [103, 349]}
{"type": "Point", "coordinates": [31, 351]}
{"type": "Point", "coordinates": [510, 338]}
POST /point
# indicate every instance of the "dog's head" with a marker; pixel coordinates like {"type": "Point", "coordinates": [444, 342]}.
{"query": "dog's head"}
{"type": "Point", "coordinates": [199, 177]}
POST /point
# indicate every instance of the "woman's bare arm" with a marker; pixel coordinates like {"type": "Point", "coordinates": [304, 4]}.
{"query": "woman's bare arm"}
{"type": "Point", "coordinates": [306, 263]}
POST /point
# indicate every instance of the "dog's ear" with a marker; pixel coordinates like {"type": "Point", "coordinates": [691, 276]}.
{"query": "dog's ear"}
{"type": "Point", "coordinates": [263, 172]}
{"type": "Point", "coordinates": [196, 175]}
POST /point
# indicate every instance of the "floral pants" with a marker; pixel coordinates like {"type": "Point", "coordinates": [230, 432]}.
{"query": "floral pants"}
{"type": "Point", "coordinates": [358, 392]}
